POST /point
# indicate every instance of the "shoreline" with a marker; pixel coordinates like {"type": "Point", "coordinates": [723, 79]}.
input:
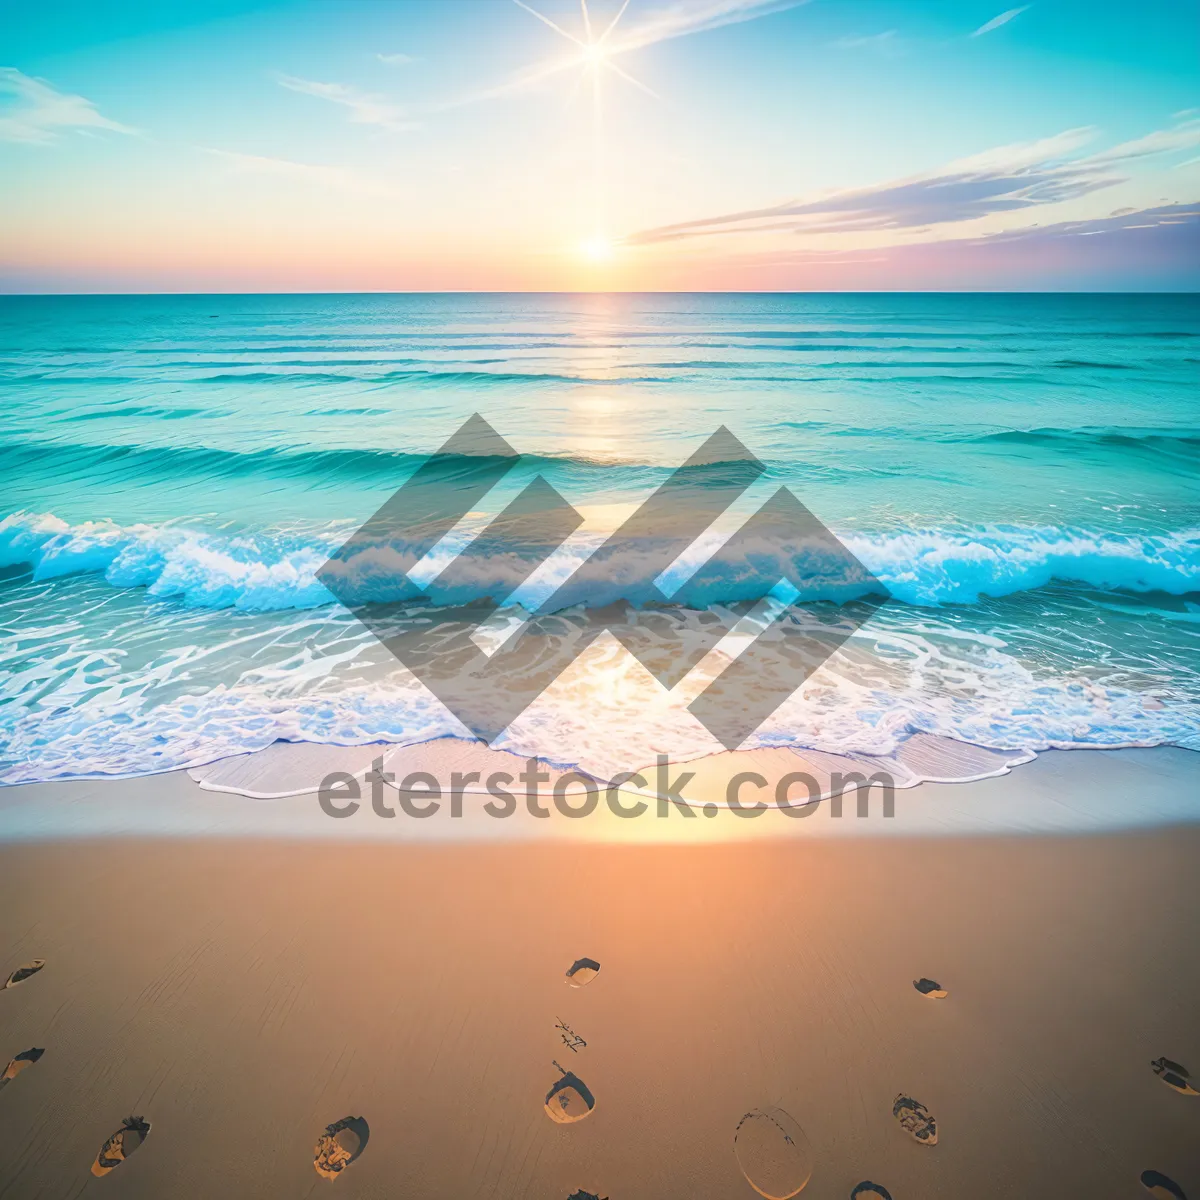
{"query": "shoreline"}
{"type": "Point", "coordinates": [1058, 792]}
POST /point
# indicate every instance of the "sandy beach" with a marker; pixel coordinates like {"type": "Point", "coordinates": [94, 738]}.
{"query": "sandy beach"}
{"type": "Point", "coordinates": [599, 600]}
{"type": "Point", "coordinates": [242, 993]}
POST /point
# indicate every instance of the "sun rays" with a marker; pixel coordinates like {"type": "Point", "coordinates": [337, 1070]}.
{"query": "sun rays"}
{"type": "Point", "coordinates": [594, 57]}
{"type": "Point", "coordinates": [593, 50]}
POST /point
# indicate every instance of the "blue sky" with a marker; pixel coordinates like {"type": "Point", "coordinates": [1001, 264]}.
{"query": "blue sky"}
{"type": "Point", "coordinates": [397, 144]}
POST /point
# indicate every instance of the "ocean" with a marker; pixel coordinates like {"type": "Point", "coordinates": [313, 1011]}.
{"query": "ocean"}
{"type": "Point", "coordinates": [1022, 472]}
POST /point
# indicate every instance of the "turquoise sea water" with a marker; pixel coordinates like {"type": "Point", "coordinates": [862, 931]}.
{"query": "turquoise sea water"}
{"type": "Point", "coordinates": [1023, 472]}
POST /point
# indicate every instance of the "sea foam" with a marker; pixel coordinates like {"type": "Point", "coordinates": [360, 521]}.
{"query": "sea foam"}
{"type": "Point", "coordinates": [273, 570]}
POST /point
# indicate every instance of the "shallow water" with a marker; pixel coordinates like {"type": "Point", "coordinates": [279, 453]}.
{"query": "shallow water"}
{"type": "Point", "coordinates": [1021, 472]}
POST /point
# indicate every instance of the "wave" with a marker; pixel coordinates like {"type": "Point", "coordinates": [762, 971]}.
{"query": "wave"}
{"type": "Point", "coordinates": [934, 567]}
{"type": "Point", "coordinates": [447, 378]}
{"type": "Point", "coordinates": [1110, 438]}
{"type": "Point", "coordinates": [306, 679]}
{"type": "Point", "coordinates": [437, 378]}
{"type": "Point", "coordinates": [946, 335]}
{"type": "Point", "coordinates": [274, 570]}
{"type": "Point", "coordinates": [143, 410]}
{"type": "Point", "coordinates": [172, 462]}
{"type": "Point", "coordinates": [357, 464]}
{"type": "Point", "coordinates": [1138, 441]}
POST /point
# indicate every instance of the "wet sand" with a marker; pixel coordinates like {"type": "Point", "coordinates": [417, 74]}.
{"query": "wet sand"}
{"type": "Point", "coordinates": [244, 994]}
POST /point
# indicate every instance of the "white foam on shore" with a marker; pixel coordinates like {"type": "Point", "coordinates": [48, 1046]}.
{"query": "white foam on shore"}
{"type": "Point", "coordinates": [287, 769]}
{"type": "Point", "coordinates": [1061, 793]}
{"type": "Point", "coordinates": [114, 687]}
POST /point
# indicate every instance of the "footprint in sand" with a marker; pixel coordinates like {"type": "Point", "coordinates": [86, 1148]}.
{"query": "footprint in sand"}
{"type": "Point", "coordinates": [1157, 1184]}
{"type": "Point", "coordinates": [25, 1059]}
{"type": "Point", "coordinates": [1174, 1075]}
{"type": "Point", "coordinates": [340, 1144]}
{"type": "Point", "coordinates": [582, 971]}
{"type": "Point", "coordinates": [121, 1145]}
{"type": "Point", "coordinates": [915, 1119]}
{"type": "Point", "coordinates": [773, 1153]}
{"type": "Point", "coordinates": [23, 973]}
{"type": "Point", "coordinates": [930, 988]}
{"type": "Point", "coordinates": [569, 1100]}
{"type": "Point", "coordinates": [870, 1191]}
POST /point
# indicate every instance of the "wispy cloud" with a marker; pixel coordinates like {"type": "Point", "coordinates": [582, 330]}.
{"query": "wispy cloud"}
{"type": "Point", "coordinates": [1162, 141]}
{"type": "Point", "coordinates": [365, 107]}
{"type": "Point", "coordinates": [1017, 155]}
{"type": "Point", "coordinates": [396, 60]}
{"type": "Point", "coordinates": [678, 20]}
{"type": "Point", "coordinates": [1000, 180]}
{"type": "Point", "coordinates": [1002, 19]}
{"type": "Point", "coordinates": [1005, 180]}
{"type": "Point", "coordinates": [285, 168]}
{"type": "Point", "coordinates": [1159, 217]}
{"type": "Point", "coordinates": [1149, 247]}
{"type": "Point", "coordinates": [41, 112]}
{"type": "Point", "coordinates": [886, 38]}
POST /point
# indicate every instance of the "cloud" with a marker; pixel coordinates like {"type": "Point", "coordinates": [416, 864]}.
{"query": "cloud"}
{"type": "Point", "coordinates": [334, 177]}
{"type": "Point", "coordinates": [396, 60]}
{"type": "Point", "coordinates": [41, 112]}
{"type": "Point", "coordinates": [681, 19]}
{"type": "Point", "coordinates": [1162, 141]}
{"type": "Point", "coordinates": [677, 20]}
{"type": "Point", "coordinates": [1122, 219]}
{"type": "Point", "coordinates": [1118, 221]}
{"type": "Point", "coordinates": [365, 108]}
{"type": "Point", "coordinates": [1010, 179]}
{"type": "Point", "coordinates": [886, 38]}
{"type": "Point", "coordinates": [1003, 180]}
{"type": "Point", "coordinates": [1150, 248]}
{"type": "Point", "coordinates": [1002, 19]}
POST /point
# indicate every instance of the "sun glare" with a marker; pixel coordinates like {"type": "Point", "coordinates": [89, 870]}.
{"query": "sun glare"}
{"type": "Point", "coordinates": [597, 249]}
{"type": "Point", "coordinates": [594, 58]}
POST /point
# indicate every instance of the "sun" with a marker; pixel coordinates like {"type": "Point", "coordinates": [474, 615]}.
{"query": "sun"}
{"type": "Point", "coordinates": [594, 58]}
{"type": "Point", "coordinates": [594, 49]}
{"type": "Point", "coordinates": [597, 249]}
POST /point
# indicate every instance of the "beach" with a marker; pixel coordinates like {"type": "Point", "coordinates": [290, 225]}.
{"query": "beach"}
{"type": "Point", "coordinates": [254, 895]}
{"type": "Point", "coordinates": [599, 600]}
{"type": "Point", "coordinates": [243, 991]}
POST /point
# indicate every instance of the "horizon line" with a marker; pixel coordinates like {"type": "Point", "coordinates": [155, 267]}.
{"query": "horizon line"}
{"type": "Point", "coordinates": [1159, 291]}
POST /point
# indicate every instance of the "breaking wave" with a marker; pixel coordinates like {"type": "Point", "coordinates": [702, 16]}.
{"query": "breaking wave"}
{"type": "Point", "coordinates": [275, 570]}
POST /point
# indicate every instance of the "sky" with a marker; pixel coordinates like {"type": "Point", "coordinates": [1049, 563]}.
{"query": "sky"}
{"type": "Point", "coordinates": [674, 145]}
